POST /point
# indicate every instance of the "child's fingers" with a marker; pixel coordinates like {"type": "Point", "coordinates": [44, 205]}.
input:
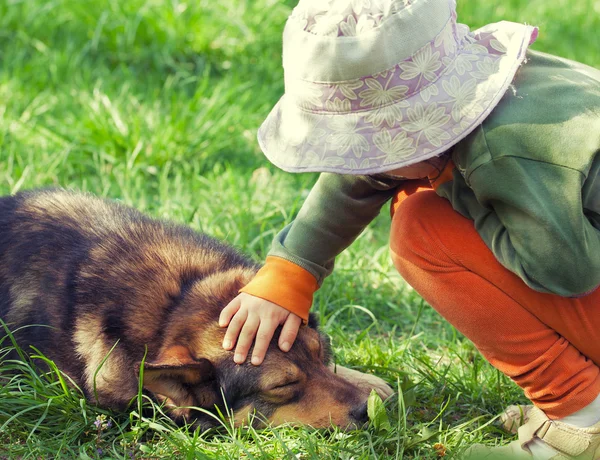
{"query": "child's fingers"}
{"type": "Point", "coordinates": [245, 339]}
{"type": "Point", "coordinates": [235, 326]}
{"type": "Point", "coordinates": [230, 310]}
{"type": "Point", "coordinates": [289, 332]}
{"type": "Point", "coordinates": [263, 339]}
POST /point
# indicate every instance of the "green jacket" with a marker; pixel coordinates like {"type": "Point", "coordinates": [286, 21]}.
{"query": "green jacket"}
{"type": "Point", "coordinates": [529, 178]}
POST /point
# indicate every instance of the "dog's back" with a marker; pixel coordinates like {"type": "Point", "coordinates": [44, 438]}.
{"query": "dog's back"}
{"type": "Point", "coordinates": [91, 272]}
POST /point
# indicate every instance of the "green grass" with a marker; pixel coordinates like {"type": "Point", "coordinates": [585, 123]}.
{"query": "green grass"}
{"type": "Point", "coordinates": [157, 103]}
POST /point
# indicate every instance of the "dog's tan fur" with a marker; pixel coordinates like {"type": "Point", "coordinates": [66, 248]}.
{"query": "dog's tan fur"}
{"type": "Point", "coordinates": [114, 286]}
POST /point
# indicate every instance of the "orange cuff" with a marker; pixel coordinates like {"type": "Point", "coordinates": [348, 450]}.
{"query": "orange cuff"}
{"type": "Point", "coordinates": [285, 284]}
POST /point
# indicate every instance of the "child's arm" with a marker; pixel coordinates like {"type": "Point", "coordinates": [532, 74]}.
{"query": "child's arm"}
{"type": "Point", "coordinates": [336, 211]}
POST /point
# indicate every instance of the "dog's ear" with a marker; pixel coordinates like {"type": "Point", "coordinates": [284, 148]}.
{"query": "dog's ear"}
{"type": "Point", "coordinates": [177, 362]}
{"type": "Point", "coordinates": [173, 376]}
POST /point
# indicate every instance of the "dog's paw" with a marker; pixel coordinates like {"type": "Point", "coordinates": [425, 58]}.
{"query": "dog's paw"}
{"type": "Point", "coordinates": [366, 381]}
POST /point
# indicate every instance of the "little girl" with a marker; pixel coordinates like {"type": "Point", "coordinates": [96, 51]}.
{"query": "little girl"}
{"type": "Point", "coordinates": [488, 153]}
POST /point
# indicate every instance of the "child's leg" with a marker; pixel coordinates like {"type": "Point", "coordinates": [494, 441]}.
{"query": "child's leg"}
{"type": "Point", "coordinates": [549, 345]}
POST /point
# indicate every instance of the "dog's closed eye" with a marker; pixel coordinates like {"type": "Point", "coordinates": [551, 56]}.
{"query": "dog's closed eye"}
{"type": "Point", "coordinates": [283, 392]}
{"type": "Point", "coordinates": [285, 386]}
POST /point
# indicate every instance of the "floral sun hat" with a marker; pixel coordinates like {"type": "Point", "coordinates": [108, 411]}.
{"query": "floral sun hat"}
{"type": "Point", "coordinates": [375, 85]}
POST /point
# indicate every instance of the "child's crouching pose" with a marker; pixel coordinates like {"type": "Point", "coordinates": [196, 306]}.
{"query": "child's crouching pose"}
{"type": "Point", "coordinates": [505, 243]}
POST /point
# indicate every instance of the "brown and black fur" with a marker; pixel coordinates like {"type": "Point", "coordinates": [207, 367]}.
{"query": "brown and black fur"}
{"type": "Point", "coordinates": [99, 273]}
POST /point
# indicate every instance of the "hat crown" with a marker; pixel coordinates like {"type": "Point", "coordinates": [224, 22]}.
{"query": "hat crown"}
{"type": "Point", "coordinates": [337, 40]}
{"type": "Point", "coordinates": [336, 18]}
{"type": "Point", "coordinates": [375, 85]}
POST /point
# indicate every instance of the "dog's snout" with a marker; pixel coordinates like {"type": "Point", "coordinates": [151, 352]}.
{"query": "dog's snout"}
{"type": "Point", "coordinates": [359, 413]}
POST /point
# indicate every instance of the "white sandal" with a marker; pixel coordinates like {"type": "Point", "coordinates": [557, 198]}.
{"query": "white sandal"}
{"type": "Point", "coordinates": [570, 442]}
{"type": "Point", "coordinates": [514, 416]}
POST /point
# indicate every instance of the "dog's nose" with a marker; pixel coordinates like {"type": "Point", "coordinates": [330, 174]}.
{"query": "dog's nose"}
{"type": "Point", "coordinates": [359, 413]}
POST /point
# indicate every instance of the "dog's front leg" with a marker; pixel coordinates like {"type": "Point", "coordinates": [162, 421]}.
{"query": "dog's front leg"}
{"type": "Point", "coordinates": [362, 380]}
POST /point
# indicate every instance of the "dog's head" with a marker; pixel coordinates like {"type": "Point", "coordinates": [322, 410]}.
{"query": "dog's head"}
{"type": "Point", "coordinates": [193, 370]}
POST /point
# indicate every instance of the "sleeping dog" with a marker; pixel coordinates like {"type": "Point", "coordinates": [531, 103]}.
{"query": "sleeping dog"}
{"type": "Point", "coordinates": [114, 297]}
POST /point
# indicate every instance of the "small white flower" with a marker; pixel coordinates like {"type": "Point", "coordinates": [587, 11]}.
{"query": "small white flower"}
{"type": "Point", "coordinates": [464, 97]}
{"type": "Point", "coordinates": [424, 64]}
{"type": "Point", "coordinates": [391, 114]}
{"type": "Point", "coordinates": [398, 147]}
{"type": "Point", "coordinates": [476, 48]}
{"type": "Point", "coordinates": [446, 37]}
{"type": "Point", "coordinates": [338, 105]}
{"type": "Point", "coordinates": [348, 27]}
{"type": "Point", "coordinates": [428, 121]}
{"type": "Point", "coordinates": [462, 63]}
{"type": "Point", "coordinates": [378, 96]}
{"type": "Point", "coordinates": [486, 68]}
{"type": "Point", "coordinates": [344, 135]}
{"type": "Point", "coordinates": [348, 88]}
{"type": "Point", "coordinates": [351, 28]}
{"type": "Point", "coordinates": [355, 166]}
{"type": "Point", "coordinates": [498, 46]}
{"type": "Point", "coordinates": [310, 158]}
{"type": "Point", "coordinates": [426, 93]}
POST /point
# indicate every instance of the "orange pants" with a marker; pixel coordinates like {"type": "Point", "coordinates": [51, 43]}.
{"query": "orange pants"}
{"type": "Point", "coordinates": [549, 345]}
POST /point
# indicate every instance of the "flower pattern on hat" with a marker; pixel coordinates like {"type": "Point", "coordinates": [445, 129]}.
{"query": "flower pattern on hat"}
{"type": "Point", "coordinates": [378, 96]}
{"type": "Point", "coordinates": [463, 97]}
{"type": "Point", "coordinates": [415, 110]}
{"type": "Point", "coordinates": [399, 146]}
{"type": "Point", "coordinates": [429, 120]}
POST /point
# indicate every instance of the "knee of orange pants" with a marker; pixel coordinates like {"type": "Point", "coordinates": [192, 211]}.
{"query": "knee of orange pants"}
{"type": "Point", "coordinates": [416, 219]}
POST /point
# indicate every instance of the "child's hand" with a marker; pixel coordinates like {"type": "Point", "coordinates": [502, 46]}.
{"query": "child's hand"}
{"type": "Point", "coordinates": [248, 316]}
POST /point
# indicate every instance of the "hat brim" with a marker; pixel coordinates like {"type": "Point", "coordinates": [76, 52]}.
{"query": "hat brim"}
{"type": "Point", "coordinates": [406, 131]}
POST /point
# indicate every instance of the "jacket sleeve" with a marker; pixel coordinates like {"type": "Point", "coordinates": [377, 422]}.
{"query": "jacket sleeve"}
{"type": "Point", "coordinates": [337, 210]}
{"type": "Point", "coordinates": [530, 214]}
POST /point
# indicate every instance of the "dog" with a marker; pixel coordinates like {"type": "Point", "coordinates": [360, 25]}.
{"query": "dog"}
{"type": "Point", "coordinates": [116, 298]}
